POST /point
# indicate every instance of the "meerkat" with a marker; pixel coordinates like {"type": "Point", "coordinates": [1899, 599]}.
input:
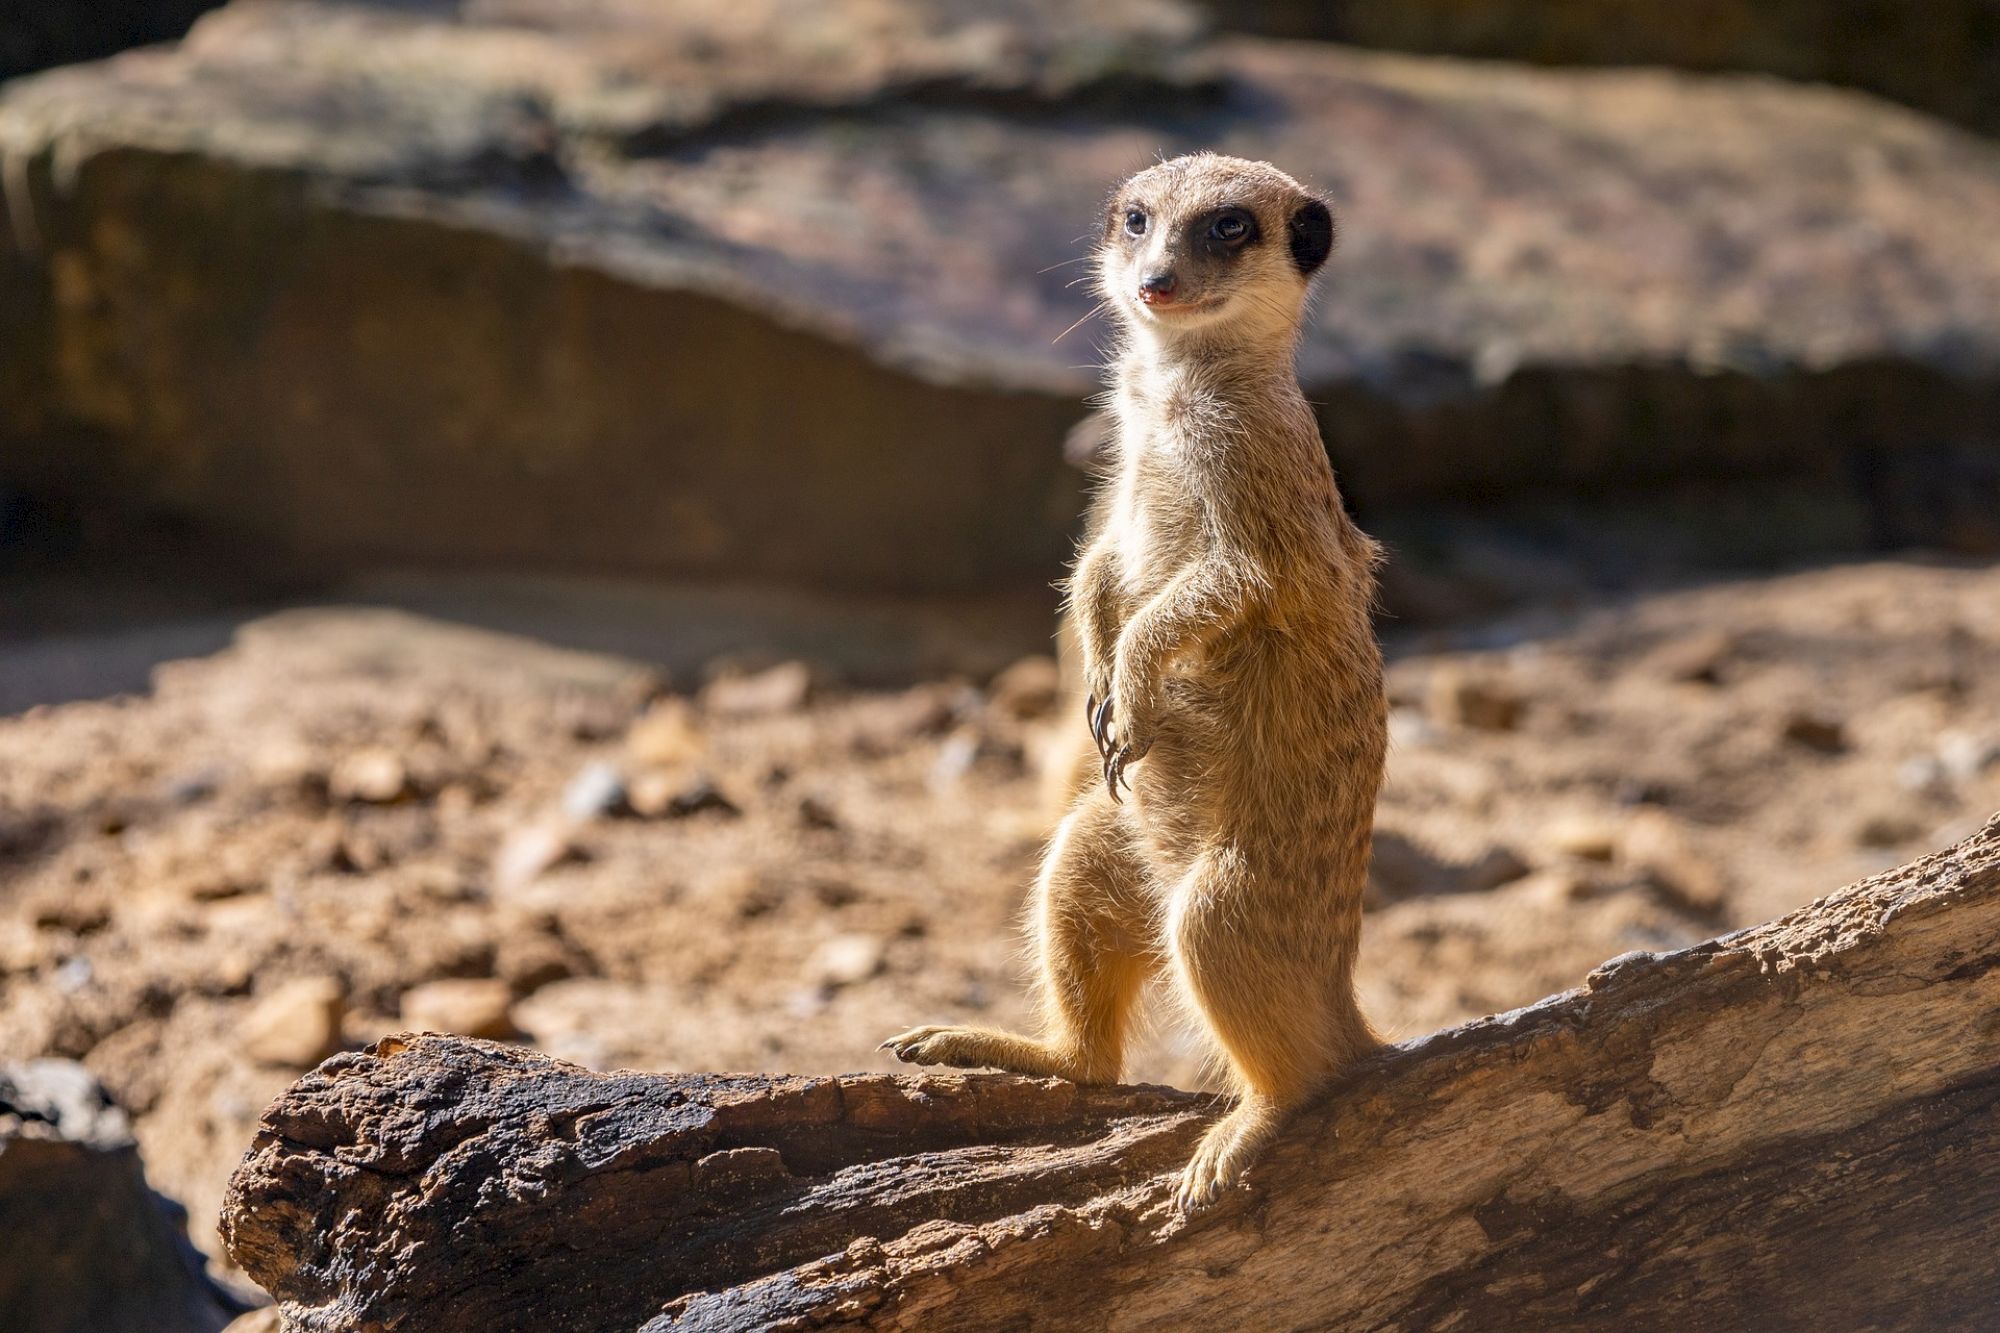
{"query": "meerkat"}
{"type": "Point", "coordinates": [1222, 604]}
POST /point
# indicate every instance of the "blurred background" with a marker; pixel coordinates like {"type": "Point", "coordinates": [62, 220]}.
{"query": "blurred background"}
{"type": "Point", "coordinates": [536, 518]}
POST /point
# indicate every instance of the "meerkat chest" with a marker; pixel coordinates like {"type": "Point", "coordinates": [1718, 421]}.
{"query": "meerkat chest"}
{"type": "Point", "coordinates": [1155, 525]}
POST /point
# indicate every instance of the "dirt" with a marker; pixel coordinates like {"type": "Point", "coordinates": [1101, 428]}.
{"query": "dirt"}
{"type": "Point", "coordinates": [290, 838]}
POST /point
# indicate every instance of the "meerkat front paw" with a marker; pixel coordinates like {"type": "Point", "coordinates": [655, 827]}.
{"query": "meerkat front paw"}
{"type": "Point", "coordinates": [1124, 729]}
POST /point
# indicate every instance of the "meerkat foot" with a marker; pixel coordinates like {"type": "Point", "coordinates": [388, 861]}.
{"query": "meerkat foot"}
{"type": "Point", "coordinates": [979, 1048]}
{"type": "Point", "coordinates": [1231, 1145]}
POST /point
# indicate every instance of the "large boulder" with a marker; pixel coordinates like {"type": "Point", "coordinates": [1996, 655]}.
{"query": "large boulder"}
{"type": "Point", "coordinates": [1940, 55]}
{"type": "Point", "coordinates": [89, 1248]}
{"type": "Point", "coordinates": [775, 289]}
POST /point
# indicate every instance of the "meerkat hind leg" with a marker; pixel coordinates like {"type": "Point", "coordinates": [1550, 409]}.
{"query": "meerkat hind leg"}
{"type": "Point", "coordinates": [1286, 1022]}
{"type": "Point", "coordinates": [1092, 929]}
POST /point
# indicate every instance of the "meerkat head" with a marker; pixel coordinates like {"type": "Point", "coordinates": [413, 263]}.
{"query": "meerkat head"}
{"type": "Point", "coordinates": [1205, 244]}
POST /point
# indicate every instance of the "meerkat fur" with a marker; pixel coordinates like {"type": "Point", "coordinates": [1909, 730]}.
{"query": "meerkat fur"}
{"type": "Point", "coordinates": [1222, 605]}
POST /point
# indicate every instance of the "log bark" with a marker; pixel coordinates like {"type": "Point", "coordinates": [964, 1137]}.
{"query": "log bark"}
{"type": "Point", "coordinates": [1793, 1126]}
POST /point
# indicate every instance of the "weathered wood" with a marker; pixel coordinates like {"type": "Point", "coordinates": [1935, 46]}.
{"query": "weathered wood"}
{"type": "Point", "coordinates": [1791, 1126]}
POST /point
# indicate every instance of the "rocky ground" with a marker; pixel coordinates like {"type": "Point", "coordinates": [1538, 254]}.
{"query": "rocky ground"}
{"type": "Point", "coordinates": [332, 822]}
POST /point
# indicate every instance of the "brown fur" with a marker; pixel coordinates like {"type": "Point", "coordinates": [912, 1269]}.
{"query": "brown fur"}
{"type": "Point", "coordinates": [1223, 607]}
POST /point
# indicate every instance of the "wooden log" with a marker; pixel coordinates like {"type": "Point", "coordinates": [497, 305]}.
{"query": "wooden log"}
{"type": "Point", "coordinates": [1792, 1126]}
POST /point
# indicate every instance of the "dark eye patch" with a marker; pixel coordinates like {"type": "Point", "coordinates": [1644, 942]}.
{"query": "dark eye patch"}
{"type": "Point", "coordinates": [1226, 230]}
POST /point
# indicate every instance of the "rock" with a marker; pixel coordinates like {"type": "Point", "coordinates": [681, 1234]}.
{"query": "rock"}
{"type": "Point", "coordinates": [467, 1006]}
{"type": "Point", "coordinates": [676, 796]}
{"type": "Point", "coordinates": [667, 735]}
{"type": "Point", "coordinates": [222, 258]}
{"type": "Point", "coordinates": [598, 790]}
{"type": "Point", "coordinates": [1965, 755]}
{"type": "Point", "coordinates": [1815, 731]}
{"type": "Point", "coordinates": [371, 777]}
{"type": "Point", "coordinates": [1939, 56]}
{"type": "Point", "coordinates": [1399, 867]}
{"type": "Point", "coordinates": [1482, 702]}
{"type": "Point", "coordinates": [1492, 868]}
{"type": "Point", "coordinates": [528, 853]}
{"type": "Point", "coordinates": [1585, 837]}
{"type": "Point", "coordinates": [817, 812]}
{"type": "Point", "coordinates": [297, 1024]}
{"type": "Point", "coordinates": [1695, 659]}
{"type": "Point", "coordinates": [89, 1247]}
{"type": "Point", "coordinates": [1028, 689]}
{"type": "Point", "coordinates": [1887, 827]}
{"type": "Point", "coordinates": [784, 688]}
{"type": "Point", "coordinates": [1660, 848]}
{"type": "Point", "coordinates": [845, 960]}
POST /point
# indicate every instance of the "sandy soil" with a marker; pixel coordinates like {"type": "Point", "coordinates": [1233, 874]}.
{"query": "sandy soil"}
{"type": "Point", "coordinates": [284, 842]}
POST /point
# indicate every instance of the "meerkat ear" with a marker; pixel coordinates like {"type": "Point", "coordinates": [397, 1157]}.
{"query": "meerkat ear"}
{"type": "Point", "coordinates": [1311, 232]}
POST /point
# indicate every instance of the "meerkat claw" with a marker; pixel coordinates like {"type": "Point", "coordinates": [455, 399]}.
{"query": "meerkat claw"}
{"type": "Point", "coordinates": [1100, 727]}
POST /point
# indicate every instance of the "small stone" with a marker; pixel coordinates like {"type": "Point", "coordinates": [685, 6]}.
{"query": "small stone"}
{"type": "Point", "coordinates": [598, 790]}
{"type": "Point", "coordinates": [297, 1024]}
{"type": "Point", "coordinates": [1409, 729]}
{"type": "Point", "coordinates": [1480, 702]}
{"type": "Point", "coordinates": [1965, 756]}
{"type": "Point", "coordinates": [530, 852]}
{"type": "Point", "coordinates": [369, 777]}
{"type": "Point", "coordinates": [845, 960]}
{"type": "Point", "coordinates": [1663, 851]}
{"type": "Point", "coordinates": [1886, 828]}
{"type": "Point", "coordinates": [74, 974]}
{"type": "Point", "coordinates": [784, 688]}
{"type": "Point", "coordinates": [1492, 868]}
{"type": "Point", "coordinates": [1925, 773]}
{"type": "Point", "coordinates": [467, 1006]}
{"type": "Point", "coordinates": [1584, 837]}
{"type": "Point", "coordinates": [1697, 659]}
{"type": "Point", "coordinates": [667, 735]}
{"type": "Point", "coordinates": [1028, 689]}
{"type": "Point", "coordinates": [676, 796]}
{"type": "Point", "coordinates": [954, 759]}
{"type": "Point", "coordinates": [1816, 731]}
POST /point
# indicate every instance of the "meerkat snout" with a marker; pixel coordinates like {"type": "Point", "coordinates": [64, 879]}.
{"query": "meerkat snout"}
{"type": "Point", "coordinates": [1205, 240]}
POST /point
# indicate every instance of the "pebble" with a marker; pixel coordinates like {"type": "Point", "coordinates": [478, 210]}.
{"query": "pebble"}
{"type": "Point", "coordinates": [598, 790]}
{"type": "Point", "coordinates": [784, 688]}
{"type": "Point", "coordinates": [1460, 698]}
{"type": "Point", "coordinates": [1584, 837]}
{"type": "Point", "coordinates": [530, 852]}
{"type": "Point", "coordinates": [1029, 688]}
{"type": "Point", "coordinates": [297, 1024]}
{"type": "Point", "coordinates": [666, 735]}
{"type": "Point", "coordinates": [676, 796]}
{"type": "Point", "coordinates": [1695, 660]}
{"type": "Point", "coordinates": [1660, 847]}
{"type": "Point", "coordinates": [1965, 756]}
{"type": "Point", "coordinates": [1886, 828]}
{"type": "Point", "coordinates": [1816, 731]}
{"type": "Point", "coordinates": [369, 777]}
{"type": "Point", "coordinates": [845, 960]}
{"type": "Point", "coordinates": [470, 1007]}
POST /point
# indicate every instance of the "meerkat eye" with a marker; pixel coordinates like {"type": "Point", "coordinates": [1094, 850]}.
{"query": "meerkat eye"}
{"type": "Point", "coordinates": [1230, 229]}
{"type": "Point", "coordinates": [1135, 223]}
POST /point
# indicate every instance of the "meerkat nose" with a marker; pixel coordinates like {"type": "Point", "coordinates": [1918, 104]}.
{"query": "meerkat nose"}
{"type": "Point", "coordinates": [1158, 288]}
